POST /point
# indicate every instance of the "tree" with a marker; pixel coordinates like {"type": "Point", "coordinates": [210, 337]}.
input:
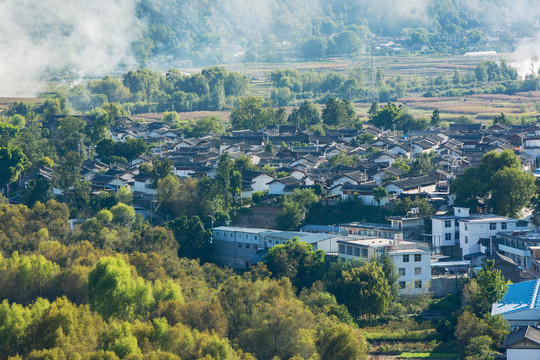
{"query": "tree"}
{"type": "Point", "coordinates": [124, 195]}
{"type": "Point", "coordinates": [499, 192]}
{"type": "Point", "coordinates": [193, 239]}
{"type": "Point", "coordinates": [491, 288]}
{"type": "Point", "coordinates": [112, 290]}
{"type": "Point", "coordinates": [512, 190]}
{"type": "Point", "coordinates": [479, 348]}
{"type": "Point", "coordinates": [387, 115]}
{"type": "Point", "coordinates": [224, 171]}
{"type": "Point", "coordinates": [12, 163]}
{"type": "Point", "coordinates": [342, 342]}
{"type": "Point", "coordinates": [291, 216]}
{"type": "Point", "coordinates": [365, 290]}
{"type": "Point", "coordinates": [297, 261]}
{"type": "Point", "coordinates": [435, 118]}
{"type": "Point", "coordinates": [38, 189]}
{"type": "Point", "coordinates": [306, 114]}
{"type": "Point", "coordinates": [338, 113]}
{"type": "Point", "coordinates": [379, 193]}
{"type": "Point", "coordinates": [123, 215]}
{"type": "Point", "coordinates": [170, 117]}
{"type": "Point", "coordinates": [252, 113]}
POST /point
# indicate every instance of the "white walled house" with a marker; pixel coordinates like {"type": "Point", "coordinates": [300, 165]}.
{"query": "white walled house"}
{"type": "Point", "coordinates": [481, 226]}
{"type": "Point", "coordinates": [468, 231]}
{"type": "Point", "coordinates": [412, 259]}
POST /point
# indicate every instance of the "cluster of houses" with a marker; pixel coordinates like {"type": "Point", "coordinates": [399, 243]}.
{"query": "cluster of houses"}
{"type": "Point", "coordinates": [303, 162]}
{"type": "Point", "coordinates": [458, 241]}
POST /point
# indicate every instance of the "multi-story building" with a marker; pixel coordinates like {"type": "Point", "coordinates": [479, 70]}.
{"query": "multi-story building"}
{"type": "Point", "coordinates": [412, 259]}
{"type": "Point", "coordinates": [241, 247]}
{"type": "Point", "coordinates": [519, 246]}
{"type": "Point", "coordinates": [472, 233]}
{"type": "Point", "coordinates": [400, 227]}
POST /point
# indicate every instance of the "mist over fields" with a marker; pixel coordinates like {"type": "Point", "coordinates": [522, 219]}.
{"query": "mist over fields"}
{"type": "Point", "coordinates": [53, 37]}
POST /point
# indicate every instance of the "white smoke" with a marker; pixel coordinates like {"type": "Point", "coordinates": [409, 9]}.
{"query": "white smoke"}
{"type": "Point", "coordinates": [82, 36]}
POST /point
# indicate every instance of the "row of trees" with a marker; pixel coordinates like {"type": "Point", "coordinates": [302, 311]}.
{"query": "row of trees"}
{"type": "Point", "coordinates": [144, 90]}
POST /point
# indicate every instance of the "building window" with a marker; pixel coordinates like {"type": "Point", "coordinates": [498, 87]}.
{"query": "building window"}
{"type": "Point", "coordinates": [447, 223]}
{"type": "Point", "coordinates": [356, 251]}
{"type": "Point", "coordinates": [402, 284]}
{"type": "Point", "coordinates": [405, 258]}
{"type": "Point", "coordinates": [504, 226]}
{"type": "Point", "coordinates": [417, 257]}
{"type": "Point", "coordinates": [448, 236]}
{"type": "Point", "coordinates": [417, 271]}
{"type": "Point", "coordinates": [349, 250]}
{"type": "Point", "coordinates": [341, 249]}
{"type": "Point", "coordinates": [239, 245]}
{"type": "Point", "coordinates": [466, 239]}
{"type": "Point", "coordinates": [418, 284]}
{"type": "Point", "coordinates": [401, 271]}
{"type": "Point", "coordinates": [255, 237]}
{"type": "Point", "coordinates": [247, 246]}
{"type": "Point", "coordinates": [466, 226]}
{"type": "Point", "coordinates": [456, 223]}
{"type": "Point", "coordinates": [492, 226]}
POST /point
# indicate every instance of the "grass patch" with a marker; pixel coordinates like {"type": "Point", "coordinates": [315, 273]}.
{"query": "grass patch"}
{"type": "Point", "coordinates": [413, 335]}
{"type": "Point", "coordinates": [410, 355]}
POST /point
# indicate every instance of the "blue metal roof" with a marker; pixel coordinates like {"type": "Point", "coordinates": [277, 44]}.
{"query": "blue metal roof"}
{"type": "Point", "coordinates": [520, 296]}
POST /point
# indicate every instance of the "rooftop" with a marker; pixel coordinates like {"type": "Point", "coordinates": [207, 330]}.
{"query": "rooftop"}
{"type": "Point", "coordinates": [520, 296]}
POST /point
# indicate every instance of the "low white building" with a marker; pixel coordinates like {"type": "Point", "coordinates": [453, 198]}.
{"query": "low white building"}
{"type": "Point", "coordinates": [241, 247]}
{"type": "Point", "coordinates": [412, 259]}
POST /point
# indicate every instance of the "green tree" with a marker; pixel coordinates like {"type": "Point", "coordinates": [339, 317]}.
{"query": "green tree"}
{"type": "Point", "coordinates": [379, 193]}
{"type": "Point", "coordinates": [297, 261]}
{"type": "Point", "coordinates": [479, 348]}
{"type": "Point", "coordinates": [113, 292]}
{"type": "Point", "coordinates": [192, 237]}
{"type": "Point", "coordinates": [340, 341]}
{"type": "Point", "coordinates": [291, 216]}
{"type": "Point", "coordinates": [491, 288]}
{"type": "Point", "coordinates": [365, 290]}
{"type": "Point", "coordinates": [306, 114]}
{"type": "Point", "coordinates": [123, 215]}
{"type": "Point", "coordinates": [124, 195]}
{"type": "Point", "coordinates": [338, 113]}
{"type": "Point", "coordinates": [387, 115]}
{"type": "Point", "coordinates": [512, 190]}
{"type": "Point", "coordinates": [252, 113]}
{"type": "Point", "coordinates": [12, 163]}
{"type": "Point", "coordinates": [435, 118]}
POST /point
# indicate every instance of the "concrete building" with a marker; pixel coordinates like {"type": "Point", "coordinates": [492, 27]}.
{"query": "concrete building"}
{"type": "Point", "coordinates": [472, 233]}
{"type": "Point", "coordinates": [241, 247]}
{"type": "Point", "coordinates": [412, 259]}
{"type": "Point", "coordinates": [400, 228]}
{"type": "Point", "coordinates": [517, 246]}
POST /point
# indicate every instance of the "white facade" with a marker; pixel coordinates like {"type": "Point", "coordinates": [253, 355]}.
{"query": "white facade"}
{"type": "Point", "coordinates": [522, 354]}
{"type": "Point", "coordinates": [471, 230]}
{"type": "Point", "coordinates": [260, 182]}
{"type": "Point", "coordinates": [414, 268]}
{"type": "Point", "coordinates": [412, 259]}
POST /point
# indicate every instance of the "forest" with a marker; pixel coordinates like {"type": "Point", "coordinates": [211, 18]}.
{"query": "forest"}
{"type": "Point", "coordinates": [214, 32]}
